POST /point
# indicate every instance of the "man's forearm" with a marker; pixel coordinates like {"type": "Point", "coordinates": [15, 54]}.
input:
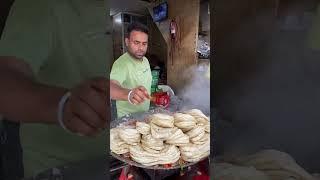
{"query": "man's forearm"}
{"type": "Point", "coordinates": [117, 92]}
{"type": "Point", "coordinates": [24, 100]}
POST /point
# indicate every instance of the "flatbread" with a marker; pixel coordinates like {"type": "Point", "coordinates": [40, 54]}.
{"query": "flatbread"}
{"type": "Point", "coordinates": [116, 144]}
{"type": "Point", "coordinates": [162, 120]}
{"type": "Point", "coordinates": [178, 138]}
{"type": "Point", "coordinates": [198, 115]}
{"type": "Point", "coordinates": [184, 121]}
{"type": "Point", "coordinates": [129, 135]}
{"type": "Point", "coordinates": [162, 133]}
{"type": "Point", "coordinates": [143, 128]}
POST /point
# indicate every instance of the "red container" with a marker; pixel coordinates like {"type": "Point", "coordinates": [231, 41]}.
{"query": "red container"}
{"type": "Point", "coordinates": [161, 99]}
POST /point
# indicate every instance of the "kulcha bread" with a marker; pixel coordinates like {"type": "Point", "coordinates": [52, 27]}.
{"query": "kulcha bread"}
{"type": "Point", "coordinates": [196, 132]}
{"type": "Point", "coordinates": [202, 140]}
{"type": "Point", "coordinates": [164, 139]}
{"type": "Point", "coordinates": [129, 135]}
{"type": "Point", "coordinates": [184, 121]}
{"type": "Point", "coordinates": [161, 132]}
{"type": "Point", "coordinates": [117, 145]}
{"type": "Point", "coordinates": [207, 128]}
{"type": "Point", "coordinates": [162, 120]}
{"type": "Point", "coordinates": [194, 152]}
{"type": "Point", "coordinates": [152, 143]}
{"type": "Point", "coordinates": [198, 115]}
{"type": "Point", "coordinates": [178, 138]}
{"type": "Point", "coordinates": [170, 154]}
{"type": "Point", "coordinates": [143, 128]}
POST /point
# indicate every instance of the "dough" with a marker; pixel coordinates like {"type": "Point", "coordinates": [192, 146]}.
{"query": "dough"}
{"type": "Point", "coordinates": [143, 127]}
{"type": "Point", "coordinates": [129, 135]}
{"type": "Point", "coordinates": [162, 120]}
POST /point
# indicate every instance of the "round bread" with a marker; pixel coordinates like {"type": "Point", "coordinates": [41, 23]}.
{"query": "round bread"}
{"type": "Point", "coordinates": [184, 121]}
{"type": "Point", "coordinates": [129, 135]}
{"type": "Point", "coordinates": [152, 143]}
{"type": "Point", "coordinates": [198, 115]}
{"type": "Point", "coordinates": [178, 138]}
{"type": "Point", "coordinates": [116, 144]}
{"type": "Point", "coordinates": [162, 133]}
{"type": "Point", "coordinates": [170, 154]}
{"type": "Point", "coordinates": [162, 120]}
{"type": "Point", "coordinates": [194, 152]}
{"type": "Point", "coordinates": [143, 127]}
{"type": "Point", "coordinates": [202, 140]}
{"type": "Point", "coordinates": [198, 130]}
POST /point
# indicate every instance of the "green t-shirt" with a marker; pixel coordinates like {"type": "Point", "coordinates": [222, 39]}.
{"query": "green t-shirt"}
{"type": "Point", "coordinates": [65, 42]}
{"type": "Point", "coordinates": [131, 73]}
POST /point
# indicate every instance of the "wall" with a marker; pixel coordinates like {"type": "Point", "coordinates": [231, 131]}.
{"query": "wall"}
{"type": "Point", "coordinates": [157, 44]}
{"type": "Point", "coordinates": [184, 55]}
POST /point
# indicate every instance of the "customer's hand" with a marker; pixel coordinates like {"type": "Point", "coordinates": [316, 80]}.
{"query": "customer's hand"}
{"type": "Point", "coordinates": [87, 111]}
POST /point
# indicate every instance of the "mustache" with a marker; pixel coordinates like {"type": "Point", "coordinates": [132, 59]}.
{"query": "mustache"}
{"type": "Point", "coordinates": [141, 52]}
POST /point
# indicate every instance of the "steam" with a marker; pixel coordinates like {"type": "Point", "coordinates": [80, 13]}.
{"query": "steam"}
{"type": "Point", "coordinates": [196, 94]}
{"type": "Point", "coordinates": [272, 95]}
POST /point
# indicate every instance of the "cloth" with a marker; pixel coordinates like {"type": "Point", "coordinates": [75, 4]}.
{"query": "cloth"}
{"type": "Point", "coordinates": [131, 73]}
{"type": "Point", "coordinates": [64, 42]}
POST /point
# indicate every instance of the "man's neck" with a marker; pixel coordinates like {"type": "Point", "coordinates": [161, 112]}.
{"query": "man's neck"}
{"type": "Point", "coordinates": [134, 58]}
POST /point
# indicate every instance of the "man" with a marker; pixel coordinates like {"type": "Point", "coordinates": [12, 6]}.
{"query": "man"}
{"type": "Point", "coordinates": [51, 53]}
{"type": "Point", "coordinates": [130, 82]}
{"type": "Point", "coordinates": [131, 74]}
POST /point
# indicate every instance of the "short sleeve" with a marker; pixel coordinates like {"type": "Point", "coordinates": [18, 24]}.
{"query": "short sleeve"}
{"type": "Point", "coordinates": [28, 32]}
{"type": "Point", "coordinates": [118, 72]}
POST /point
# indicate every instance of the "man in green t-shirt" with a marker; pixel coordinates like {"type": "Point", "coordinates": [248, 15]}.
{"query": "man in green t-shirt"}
{"type": "Point", "coordinates": [53, 64]}
{"type": "Point", "coordinates": [131, 73]}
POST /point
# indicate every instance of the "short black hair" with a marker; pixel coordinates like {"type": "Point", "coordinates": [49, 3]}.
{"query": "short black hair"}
{"type": "Point", "coordinates": [136, 26]}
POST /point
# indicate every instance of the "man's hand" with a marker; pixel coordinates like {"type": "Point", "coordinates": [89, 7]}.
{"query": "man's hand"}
{"type": "Point", "coordinates": [139, 95]}
{"type": "Point", "coordinates": [86, 111]}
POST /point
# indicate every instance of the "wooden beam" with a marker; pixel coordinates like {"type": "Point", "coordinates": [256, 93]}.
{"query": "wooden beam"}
{"type": "Point", "coordinates": [184, 54]}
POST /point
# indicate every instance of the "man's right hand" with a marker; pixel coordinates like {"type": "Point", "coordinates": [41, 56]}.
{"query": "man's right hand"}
{"type": "Point", "coordinates": [139, 95]}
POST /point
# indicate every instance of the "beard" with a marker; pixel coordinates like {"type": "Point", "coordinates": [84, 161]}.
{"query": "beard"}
{"type": "Point", "coordinates": [136, 55]}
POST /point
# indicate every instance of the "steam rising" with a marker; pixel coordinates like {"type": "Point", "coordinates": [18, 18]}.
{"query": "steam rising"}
{"type": "Point", "coordinates": [196, 93]}
{"type": "Point", "coordinates": [274, 100]}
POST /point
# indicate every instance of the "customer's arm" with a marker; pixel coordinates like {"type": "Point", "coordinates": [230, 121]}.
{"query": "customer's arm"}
{"type": "Point", "coordinates": [28, 40]}
{"type": "Point", "coordinates": [23, 99]}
